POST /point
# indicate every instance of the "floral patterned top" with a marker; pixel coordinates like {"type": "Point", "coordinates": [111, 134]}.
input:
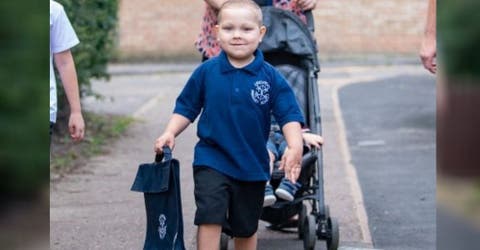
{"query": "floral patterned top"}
{"type": "Point", "coordinates": [206, 42]}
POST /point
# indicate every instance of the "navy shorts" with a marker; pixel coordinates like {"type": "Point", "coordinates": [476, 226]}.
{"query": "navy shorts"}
{"type": "Point", "coordinates": [222, 200]}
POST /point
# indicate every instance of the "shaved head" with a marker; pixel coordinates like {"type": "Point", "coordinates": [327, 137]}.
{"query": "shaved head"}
{"type": "Point", "coordinates": [242, 4]}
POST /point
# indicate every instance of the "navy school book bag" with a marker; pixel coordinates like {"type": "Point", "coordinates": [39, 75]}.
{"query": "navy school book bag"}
{"type": "Point", "coordinates": [160, 183]}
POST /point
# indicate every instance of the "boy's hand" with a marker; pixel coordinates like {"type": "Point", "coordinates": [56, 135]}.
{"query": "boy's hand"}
{"type": "Point", "coordinates": [292, 163]}
{"type": "Point", "coordinates": [76, 126]}
{"type": "Point", "coordinates": [167, 139]}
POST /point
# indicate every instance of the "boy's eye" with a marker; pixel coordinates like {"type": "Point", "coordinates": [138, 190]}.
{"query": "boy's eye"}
{"type": "Point", "coordinates": [227, 27]}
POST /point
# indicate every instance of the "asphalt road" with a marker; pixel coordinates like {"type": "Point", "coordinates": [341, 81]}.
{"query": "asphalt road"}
{"type": "Point", "coordinates": [390, 127]}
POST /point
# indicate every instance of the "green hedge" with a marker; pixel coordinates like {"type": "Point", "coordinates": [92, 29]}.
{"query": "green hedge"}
{"type": "Point", "coordinates": [95, 23]}
{"type": "Point", "coordinates": [23, 99]}
{"type": "Point", "coordinates": [459, 38]}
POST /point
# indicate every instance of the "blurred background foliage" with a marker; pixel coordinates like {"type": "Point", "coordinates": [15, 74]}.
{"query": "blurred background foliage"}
{"type": "Point", "coordinates": [458, 120]}
{"type": "Point", "coordinates": [95, 22]}
{"type": "Point", "coordinates": [459, 39]}
{"type": "Point", "coordinates": [24, 96]}
{"type": "Point", "coordinates": [24, 99]}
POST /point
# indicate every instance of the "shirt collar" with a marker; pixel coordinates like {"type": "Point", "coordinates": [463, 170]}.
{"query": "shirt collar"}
{"type": "Point", "coordinates": [251, 68]}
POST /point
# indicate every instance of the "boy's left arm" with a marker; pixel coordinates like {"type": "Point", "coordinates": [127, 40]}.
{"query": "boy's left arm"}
{"type": "Point", "coordinates": [292, 158]}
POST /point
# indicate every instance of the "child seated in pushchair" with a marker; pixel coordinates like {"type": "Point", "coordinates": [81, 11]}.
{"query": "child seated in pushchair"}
{"type": "Point", "coordinates": [276, 146]}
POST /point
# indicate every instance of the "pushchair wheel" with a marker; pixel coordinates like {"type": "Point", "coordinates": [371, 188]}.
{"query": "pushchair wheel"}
{"type": "Point", "coordinates": [327, 211]}
{"type": "Point", "coordinates": [301, 219]}
{"type": "Point", "coordinates": [224, 241]}
{"type": "Point", "coordinates": [333, 238]}
{"type": "Point", "coordinates": [310, 234]}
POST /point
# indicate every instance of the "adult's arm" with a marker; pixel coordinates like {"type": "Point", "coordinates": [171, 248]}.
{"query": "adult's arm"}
{"type": "Point", "coordinates": [216, 4]}
{"type": "Point", "coordinates": [307, 4]}
{"type": "Point", "coordinates": [428, 50]}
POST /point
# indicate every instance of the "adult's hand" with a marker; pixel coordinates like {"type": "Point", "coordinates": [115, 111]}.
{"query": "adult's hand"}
{"type": "Point", "coordinates": [307, 4]}
{"type": "Point", "coordinates": [428, 54]}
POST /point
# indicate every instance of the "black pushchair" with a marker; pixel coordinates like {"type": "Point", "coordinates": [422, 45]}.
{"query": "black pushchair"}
{"type": "Point", "coordinates": [291, 48]}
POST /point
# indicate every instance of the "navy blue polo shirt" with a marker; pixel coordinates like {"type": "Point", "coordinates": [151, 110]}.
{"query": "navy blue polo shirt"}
{"type": "Point", "coordinates": [236, 105]}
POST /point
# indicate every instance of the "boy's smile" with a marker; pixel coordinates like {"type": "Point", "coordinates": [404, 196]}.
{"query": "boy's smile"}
{"type": "Point", "coordinates": [239, 34]}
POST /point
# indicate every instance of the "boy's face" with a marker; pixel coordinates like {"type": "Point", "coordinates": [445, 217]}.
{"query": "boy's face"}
{"type": "Point", "coordinates": [239, 33]}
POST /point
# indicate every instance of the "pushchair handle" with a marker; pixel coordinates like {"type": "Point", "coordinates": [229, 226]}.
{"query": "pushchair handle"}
{"type": "Point", "coordinates": [166, 154]}
{"type": "Point", "coordinates": [308, 13]}
{"type": "Point", "coordinates": [310, 21]}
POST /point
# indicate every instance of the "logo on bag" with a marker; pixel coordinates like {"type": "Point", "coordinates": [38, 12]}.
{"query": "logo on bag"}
{"type": "Point", "coordinates": [260, 93]}
{"type": "Point", "coordinates": [162, 228]}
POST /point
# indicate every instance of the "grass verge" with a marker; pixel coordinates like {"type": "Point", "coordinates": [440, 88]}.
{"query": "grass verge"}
{"type": "Point", "coordinates": [460, 196]}
{"type": "Point", "coordinates": [101, 130]}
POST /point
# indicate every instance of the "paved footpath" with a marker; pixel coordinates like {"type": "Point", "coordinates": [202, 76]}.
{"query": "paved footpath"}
{"type": "Point", "coordinates": [92, 207]}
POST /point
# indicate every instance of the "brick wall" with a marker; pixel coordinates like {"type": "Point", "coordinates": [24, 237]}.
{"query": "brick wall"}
{"type": "Point", "coordinates": [166, 29]}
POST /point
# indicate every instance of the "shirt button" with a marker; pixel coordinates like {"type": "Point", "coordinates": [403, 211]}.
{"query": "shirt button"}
{"type": "Point", "coordinates": [236, 89]}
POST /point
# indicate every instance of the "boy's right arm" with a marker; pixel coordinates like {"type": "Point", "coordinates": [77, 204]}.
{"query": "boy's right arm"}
{"type": "Point", "coordinates": [175, 126]}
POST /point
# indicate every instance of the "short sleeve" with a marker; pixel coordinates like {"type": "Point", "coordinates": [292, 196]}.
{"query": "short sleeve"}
{"type": "Point", "coordinates": [62, 34]}
{"type": "Point", "coordinates": [190, 101]}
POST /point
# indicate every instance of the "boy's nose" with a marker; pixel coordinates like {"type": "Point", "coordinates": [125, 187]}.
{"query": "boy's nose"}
{"type": "Point", "coordinates": [236, 33]}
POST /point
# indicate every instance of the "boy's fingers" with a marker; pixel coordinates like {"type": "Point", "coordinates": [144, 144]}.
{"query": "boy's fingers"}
{"type": "Point", "coordinates": [171, 145]}
{"type": "Point", "coordinates": [283, 163]}
{"type": "Point", "coordinates": [295, 173]}
{"type": "Point", "coordinates": [157, 149]}
{"type": "Point", "coordinates": [158, 146]}
{"type": "Point", "coordinates": [161, 142]}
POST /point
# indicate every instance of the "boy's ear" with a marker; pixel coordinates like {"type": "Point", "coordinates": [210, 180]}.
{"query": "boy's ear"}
{"type": "Point", "coordinates": [263, 30]}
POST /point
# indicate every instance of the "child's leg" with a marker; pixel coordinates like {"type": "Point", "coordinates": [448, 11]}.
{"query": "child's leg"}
{"type": "Point", "coordinates": [272, 155]}
{"type": "Point", "coordinates": [270, 198]}
{"type": "Point", "coordinates": [211, 198]}
{"type": "Point", "coordinates": [272, 161]}
{"type": "Point", "coordinates": [208, 236]}
{"type": "Point", "coordinates": [249, 243]}
{"type": "Point", "coordinates": [245, 211]}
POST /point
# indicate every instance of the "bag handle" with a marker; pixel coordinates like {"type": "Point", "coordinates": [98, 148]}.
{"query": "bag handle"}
{"type": "Point", "coordinates": [166, 154]}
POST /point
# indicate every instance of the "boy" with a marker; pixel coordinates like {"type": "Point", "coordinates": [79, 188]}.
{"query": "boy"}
{"type": "Point", "coordinates": [237, 92]}
{"type": "Point", "coordinates": [62, 39]}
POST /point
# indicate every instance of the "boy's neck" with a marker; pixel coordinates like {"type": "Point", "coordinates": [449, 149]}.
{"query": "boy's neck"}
{"type": "Point", "coordinates": [240, 64]}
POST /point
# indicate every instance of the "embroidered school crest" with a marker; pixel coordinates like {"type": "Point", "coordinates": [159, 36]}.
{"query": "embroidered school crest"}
{"type": "Point", "coordinates": [260, 92]}
{"type": "Point", "coordinates": [162, 227]}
